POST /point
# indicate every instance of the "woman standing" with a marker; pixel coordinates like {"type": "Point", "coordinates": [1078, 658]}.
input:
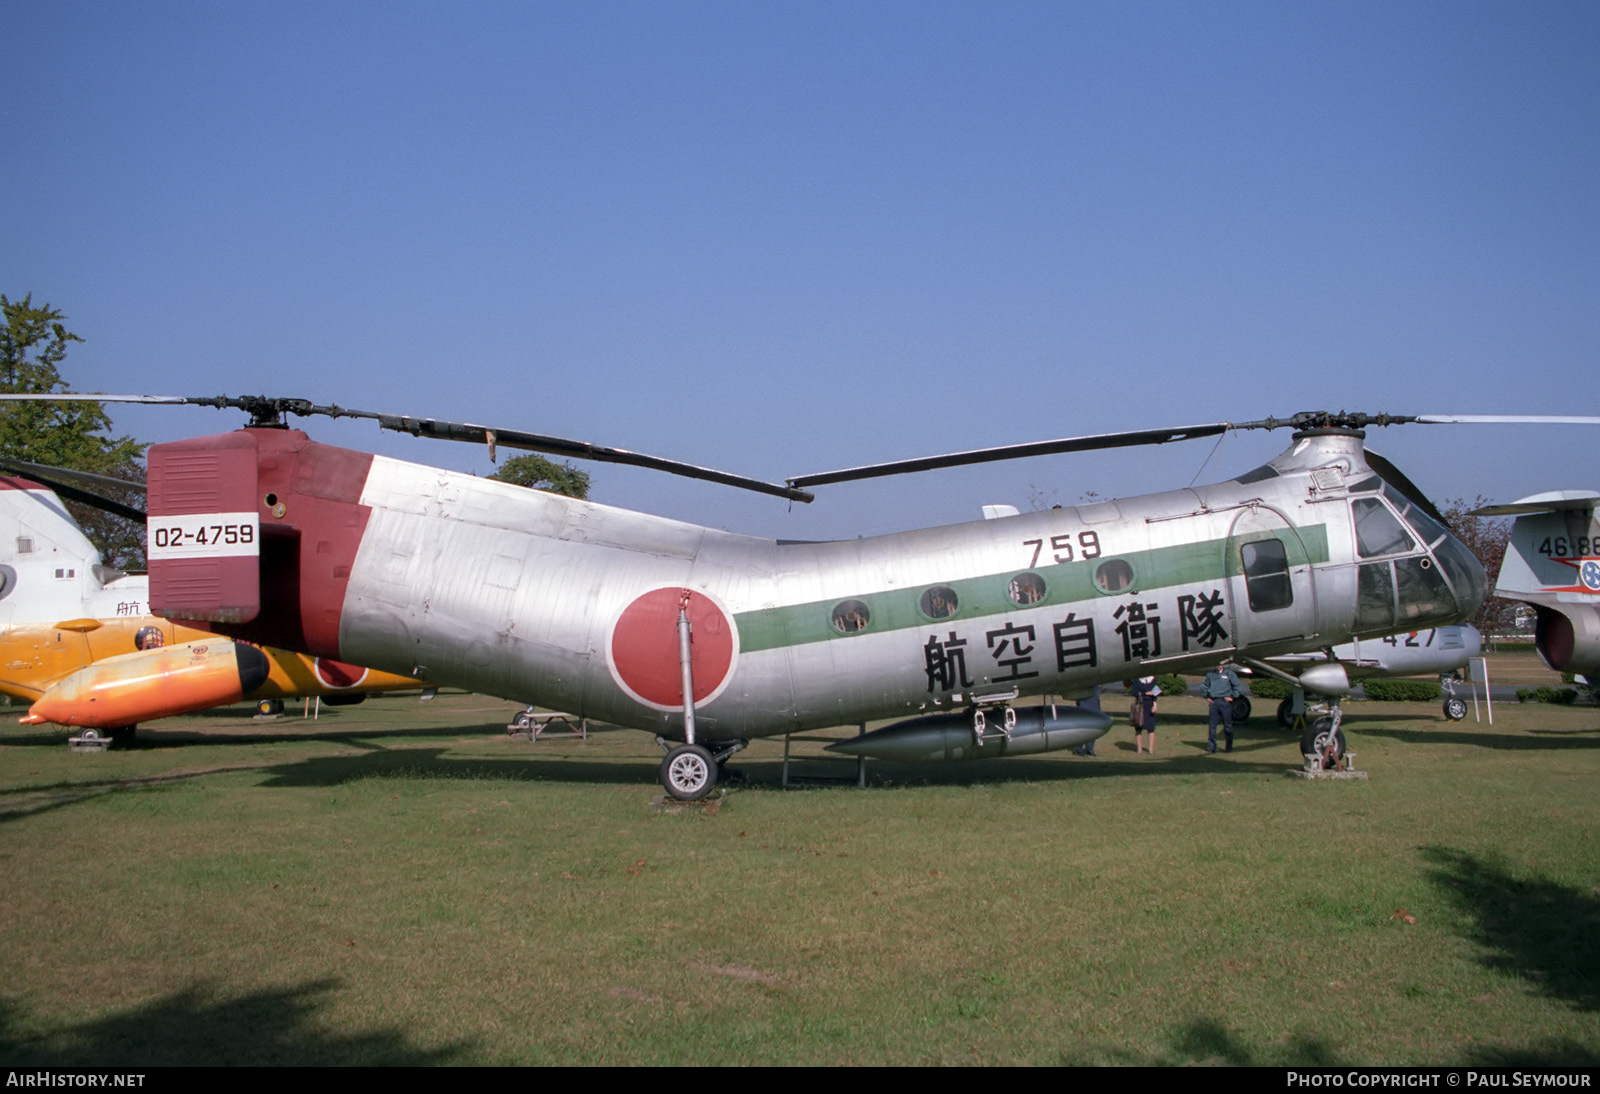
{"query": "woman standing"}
{"type": "Point", "coordinates": [1145, 693]}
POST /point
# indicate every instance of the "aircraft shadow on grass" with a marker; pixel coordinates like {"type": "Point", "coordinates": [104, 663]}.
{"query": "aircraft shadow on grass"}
{"type": "Point", "coordinates": [1521, 741]}
{"type": "Point", "coordinates": [762, 773]}
{"type": "Point", "coordinates": [198, 1026]}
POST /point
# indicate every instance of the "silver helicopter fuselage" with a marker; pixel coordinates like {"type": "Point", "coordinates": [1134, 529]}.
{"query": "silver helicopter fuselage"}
{"type": "Point", "coordinates": [574, 605]}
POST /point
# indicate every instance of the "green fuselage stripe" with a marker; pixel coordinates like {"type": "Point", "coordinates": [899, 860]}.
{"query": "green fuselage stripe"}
{"type": "Point", "coordinates": [1065, 583]}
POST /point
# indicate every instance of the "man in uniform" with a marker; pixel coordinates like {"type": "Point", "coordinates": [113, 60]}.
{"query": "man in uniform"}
{"type": "Point", "coordinates": [1221, 687]}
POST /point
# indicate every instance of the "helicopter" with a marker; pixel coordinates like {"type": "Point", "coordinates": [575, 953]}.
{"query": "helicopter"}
{"type": "Point", "coordinates": [78, 643]}
{"type": "Point", "coordinates": [709, 639]}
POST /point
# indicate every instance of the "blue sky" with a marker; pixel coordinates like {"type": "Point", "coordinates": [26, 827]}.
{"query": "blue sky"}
{"type": "Point", "coordinates": [782, 238]}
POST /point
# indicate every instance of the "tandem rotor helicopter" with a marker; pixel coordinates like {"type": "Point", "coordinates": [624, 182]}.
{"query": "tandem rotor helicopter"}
{"type": "Point", "coordinates": [709, 639]}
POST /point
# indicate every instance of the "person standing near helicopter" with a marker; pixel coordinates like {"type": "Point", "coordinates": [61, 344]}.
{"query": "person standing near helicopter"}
{"type": "Point", "coordinates": [1221, 687]}
{"type": "Point", "coordinates": [1145, 692]}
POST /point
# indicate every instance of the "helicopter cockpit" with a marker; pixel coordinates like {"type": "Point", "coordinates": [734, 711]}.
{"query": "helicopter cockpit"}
{"type": "Point", "coordinates": [1411, 570]}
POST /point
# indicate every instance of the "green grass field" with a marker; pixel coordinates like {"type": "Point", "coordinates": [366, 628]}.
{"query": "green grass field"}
{"type": "Point", "coordinates": [404, 883]}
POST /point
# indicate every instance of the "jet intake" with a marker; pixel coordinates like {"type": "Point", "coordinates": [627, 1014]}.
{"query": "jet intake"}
{"type": "Point", "coordinates": [951, 736]}
{"type": "Point", "coordinates": [138, 687]}
{"type": "Point", "coordinates": [1568, 641]}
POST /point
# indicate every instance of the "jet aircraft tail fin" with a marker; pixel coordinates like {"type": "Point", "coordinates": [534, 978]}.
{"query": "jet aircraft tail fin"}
{"type": "Point", "coordinates": [1552, 562]}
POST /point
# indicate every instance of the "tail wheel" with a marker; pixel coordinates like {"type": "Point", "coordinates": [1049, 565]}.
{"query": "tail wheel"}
{"type": "Point", "coordinates": [1325, 742]}
{"type": "Point", "coordinates": [1455, 709]}
{"type": "Point", "coordinates": [688, 773]}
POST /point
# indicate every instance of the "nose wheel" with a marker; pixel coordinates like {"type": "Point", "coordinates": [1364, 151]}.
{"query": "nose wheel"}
{"type": "Point", "coordinates": [1323, 742]}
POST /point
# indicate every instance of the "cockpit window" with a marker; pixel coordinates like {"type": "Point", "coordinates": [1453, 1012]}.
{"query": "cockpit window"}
{"type": "Point", "coordinates": [1425, 526]}
{"type": "Point", "coordinates": [1377, 530]}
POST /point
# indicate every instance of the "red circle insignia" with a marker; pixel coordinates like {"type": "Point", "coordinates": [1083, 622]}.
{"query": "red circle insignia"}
{"type": "Point", "coordinates": [644, 647]}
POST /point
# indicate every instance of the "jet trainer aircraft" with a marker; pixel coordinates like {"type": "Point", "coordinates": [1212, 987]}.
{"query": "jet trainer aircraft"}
{"type": "Point", "coordinates": [1433, 650]}
{"type": "Point", "coordinates": [78, 642]}
{"type": "Point", "coordinates": [1552, 562]}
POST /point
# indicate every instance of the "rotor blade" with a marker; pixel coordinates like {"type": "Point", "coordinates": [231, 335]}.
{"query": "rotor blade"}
{"type": "Point", "coordinates": [79, 397]}
{"type": "Point", "coordinates": [1507, 419]}
{"type": "Point", "coordinates": [72, 493]}
{"type": "Point", "coordinates": [583, 450]}
{"type": "Point", "coordinates": [105, 482]}
{"type": "Point", "coordinates": [267, 410]}
{"type": "Point", "coordinates": [1016, 452]}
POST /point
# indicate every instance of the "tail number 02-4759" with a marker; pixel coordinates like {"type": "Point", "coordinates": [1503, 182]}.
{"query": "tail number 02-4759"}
{"type": "Point", "coordinates": [204, 535]}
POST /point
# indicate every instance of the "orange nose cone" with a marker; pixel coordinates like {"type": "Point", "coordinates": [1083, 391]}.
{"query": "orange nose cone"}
{"type": "Point", "coordinates": [138, 687]}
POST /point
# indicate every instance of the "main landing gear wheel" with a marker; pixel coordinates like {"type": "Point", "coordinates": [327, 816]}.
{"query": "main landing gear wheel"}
{"type": "Point", "coordinates": [1323, 740]}
{"type": "Point", "coordinates": [1241, 710]}
{"type": "Point", "coordinates": [688, 773]}
{"type": "Point", "coordinates": [1286, 714]}
{"type": "Point", "coordinates": [269, 706]}
{"type": "Point", "coordinates": [1455, 709]}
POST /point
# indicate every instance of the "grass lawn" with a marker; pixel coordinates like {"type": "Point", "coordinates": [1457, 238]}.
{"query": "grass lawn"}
{"type": "Point", "coordinates": [404, 883]}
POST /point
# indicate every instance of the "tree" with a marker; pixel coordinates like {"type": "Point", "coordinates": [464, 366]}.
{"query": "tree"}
{"type": "Point", "coordinates": [538, 473]}
{"type": "Point", "coordinates": [1487, 539]}
{"type": "Point", "coordinates": [33, 343]}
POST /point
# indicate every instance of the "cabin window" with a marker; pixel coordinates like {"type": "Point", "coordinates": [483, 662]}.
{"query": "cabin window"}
{"type": "Point", "coordinates": [1377, 530]}
{"type": "Point", "coordinates": [851, 616]}
{"type": "Point", "coordinates": [1113, 575]}
{"type": "Point", "coordinates": [939, 602]}
{"type": "Point", "coordinates": [1266, 575]}
{"type": "Point", "coordinates": [1026, 589]}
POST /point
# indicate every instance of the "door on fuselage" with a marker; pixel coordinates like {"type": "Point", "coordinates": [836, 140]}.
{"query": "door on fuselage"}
{"type": "Point", "coordinates": [1273, 596]}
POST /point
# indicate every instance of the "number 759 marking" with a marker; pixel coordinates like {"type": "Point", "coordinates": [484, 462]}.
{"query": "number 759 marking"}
{"type": "Point", "coordinates": [1061, 548]}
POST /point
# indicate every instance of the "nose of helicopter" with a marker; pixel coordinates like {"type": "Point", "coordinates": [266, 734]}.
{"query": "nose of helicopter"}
{"type": "Point", "coordinates": [1467, 576]}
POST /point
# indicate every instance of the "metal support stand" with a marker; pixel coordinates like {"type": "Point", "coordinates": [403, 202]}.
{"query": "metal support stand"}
{"type": "Point", "coordinates": [787, 780]}
{"type": "Point", "coordinates": [534, 726]}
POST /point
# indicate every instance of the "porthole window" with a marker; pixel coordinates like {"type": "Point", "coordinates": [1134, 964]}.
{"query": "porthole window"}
{"type": "Point", "coordinates": [939, 602]}
{"type": "Point", "coordinates": [1113, 575]}
{"type": "Point", "coordinates": [1026, 589]}
{"type": "Point", "coordinates": [851, 616]}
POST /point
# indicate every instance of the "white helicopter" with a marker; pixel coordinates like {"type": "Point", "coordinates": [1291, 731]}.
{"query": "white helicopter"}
{"type": "Point", "coordinates": [709, 639]}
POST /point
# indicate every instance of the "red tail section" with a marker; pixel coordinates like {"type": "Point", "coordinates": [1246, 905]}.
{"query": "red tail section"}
{"type": "Point", "coordinates": [253, 534]}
